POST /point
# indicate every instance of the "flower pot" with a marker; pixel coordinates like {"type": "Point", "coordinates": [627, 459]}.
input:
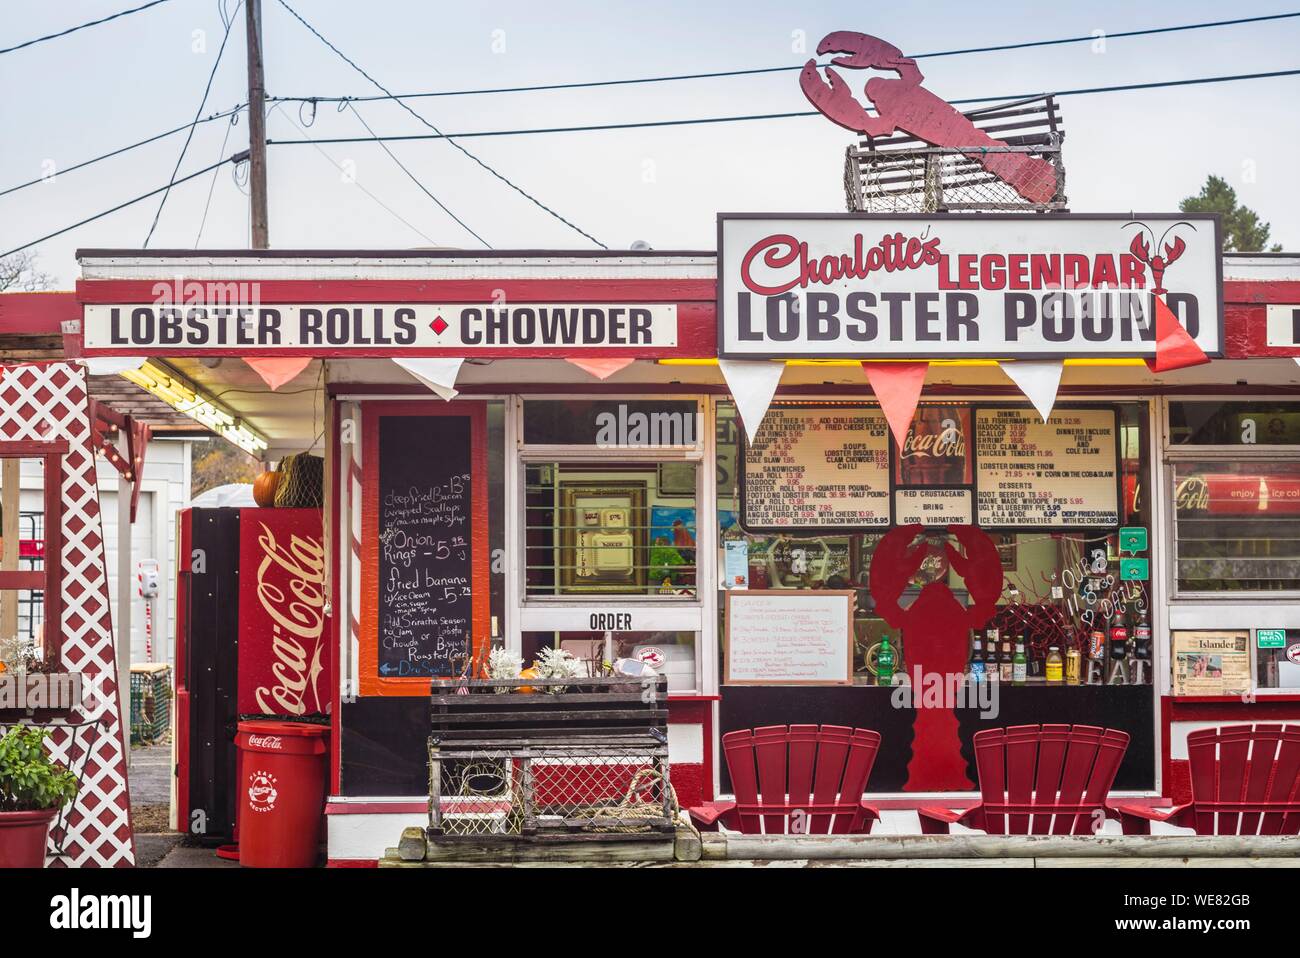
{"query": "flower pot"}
{"type": "Point", "coordinates": [22, 838]}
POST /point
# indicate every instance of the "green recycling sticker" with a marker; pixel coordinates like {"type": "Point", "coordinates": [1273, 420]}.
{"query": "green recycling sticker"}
{"type": "Point", "coordinates": [1133, 539]}
{"type": "Point", "coordinates": [1270, 638]}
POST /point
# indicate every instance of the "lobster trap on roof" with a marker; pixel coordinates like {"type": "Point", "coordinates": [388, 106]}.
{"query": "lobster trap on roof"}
{"type": "Point", "coordinates": [904, 174]}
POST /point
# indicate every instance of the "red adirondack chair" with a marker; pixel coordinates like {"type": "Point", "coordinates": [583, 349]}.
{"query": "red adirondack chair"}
{"type": "Point", "coordinates": [816, 774]}
{"type": "Point", "coordinates": [1245, 781]}
{"type": "Point", "coordinates": [1038, 780]}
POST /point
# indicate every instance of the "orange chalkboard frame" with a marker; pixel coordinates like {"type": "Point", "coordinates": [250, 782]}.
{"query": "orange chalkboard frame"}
{"type": "Point", "coordinates": [370, 681]}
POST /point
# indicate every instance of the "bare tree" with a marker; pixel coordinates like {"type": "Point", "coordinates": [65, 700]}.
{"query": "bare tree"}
{"type": "Point", "coordinates": [18, 274]}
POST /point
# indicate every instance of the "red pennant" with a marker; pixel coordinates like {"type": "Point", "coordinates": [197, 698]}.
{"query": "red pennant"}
{"type": "Point", "coordinates": [1175, 347]}
{"type": "Point", "coordinates": [898, 390]}
{"type": "Point", "coordinates": [275, 370]}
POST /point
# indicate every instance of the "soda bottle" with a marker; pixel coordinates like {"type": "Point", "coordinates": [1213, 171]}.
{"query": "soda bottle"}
{"type": "Point", "coordinates": [885, 663]}
{"type": "Point", "coordinates": [1118, 636]}
{"type": "Point", "coordinates": [1142, 647]}
{"type": "Point", "coordinates": [1019, 664]}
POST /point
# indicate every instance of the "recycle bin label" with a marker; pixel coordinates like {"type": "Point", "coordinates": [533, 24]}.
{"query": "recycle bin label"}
{"type": "Point", "coordinates": [262, 792]}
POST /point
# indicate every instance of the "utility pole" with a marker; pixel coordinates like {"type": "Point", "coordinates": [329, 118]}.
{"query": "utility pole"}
{"type": "Point", "coordinates": [256, 125]}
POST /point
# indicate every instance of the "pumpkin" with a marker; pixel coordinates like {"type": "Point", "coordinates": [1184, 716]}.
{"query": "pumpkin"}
{"type": "Point", "coordinates": [527, 674]}
{"type": "Point", "coordinates": [264, 487]}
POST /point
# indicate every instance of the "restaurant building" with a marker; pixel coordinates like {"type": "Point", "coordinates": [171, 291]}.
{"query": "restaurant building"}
{"type": "Point", "coordinates": [681, 458]}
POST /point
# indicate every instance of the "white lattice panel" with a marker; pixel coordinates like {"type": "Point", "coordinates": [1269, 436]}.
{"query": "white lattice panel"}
{"type": "Point", "coordinates": [45, 402]}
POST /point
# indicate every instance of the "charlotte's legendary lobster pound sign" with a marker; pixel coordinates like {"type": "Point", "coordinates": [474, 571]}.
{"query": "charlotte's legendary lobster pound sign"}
{"type": "Point", "coordinates": [997, 286]}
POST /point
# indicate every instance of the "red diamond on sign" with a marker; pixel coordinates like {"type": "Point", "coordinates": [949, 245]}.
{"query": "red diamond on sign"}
{"type": "Point", "coordinates": [438, 325]}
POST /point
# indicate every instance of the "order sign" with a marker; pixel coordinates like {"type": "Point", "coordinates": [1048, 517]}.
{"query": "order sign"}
{"type": "Point", "coordinates": [821, 468]}
{"type": "Point", "coordinates": [1059, 473]}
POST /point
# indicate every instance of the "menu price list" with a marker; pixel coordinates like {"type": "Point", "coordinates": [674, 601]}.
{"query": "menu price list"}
{"type": "Point", "coordinates": [424, 546]}
{"type": "Point", "coordinates": [818, 467]}
{"type": "Point", "coordinates": [1060, 473]}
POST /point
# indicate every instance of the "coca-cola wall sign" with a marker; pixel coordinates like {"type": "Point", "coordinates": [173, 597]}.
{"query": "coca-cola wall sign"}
{"type": "Point", "coordinates": [960, 286]}
{"type": "Point", "coordinates": [284, 665]}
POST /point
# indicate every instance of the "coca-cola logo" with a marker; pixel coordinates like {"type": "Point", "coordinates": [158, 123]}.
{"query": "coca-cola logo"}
{"type": "Point", "coordinates": [948, 443]}
{"type": "Point", "coordinates": [1192, 495]}
{"type": "Point", "coordinates": [262, 791]}
{"type": "Point", "coordinates": [269, 742]}
{"type": "Point", "coordinates": [290, 587]}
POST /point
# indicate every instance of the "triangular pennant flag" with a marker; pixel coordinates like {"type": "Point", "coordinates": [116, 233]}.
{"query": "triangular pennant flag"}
{"type": "Point", "coordinates": [601, 368]}
{"type": "Point", "coordinates": [1038, 380]}
{"type": "Point", "coordinates": [438, 374]}
{"type": "Point", "coordinates": [1175, 348]}
{"type": "Point", "coordinates": [112, 365]}
{"type": "Point", "coordinates": [898, 390]}
{"type": "Point", "coordinates": [1297, 360]}
{"type": "Point", "coordinates": [277, 370]}
{"type": "Point", "coordinates": [753, 384]}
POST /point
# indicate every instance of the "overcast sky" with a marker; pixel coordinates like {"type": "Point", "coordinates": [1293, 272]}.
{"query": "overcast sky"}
{"type": "Point", "coordinates": [68, 99]}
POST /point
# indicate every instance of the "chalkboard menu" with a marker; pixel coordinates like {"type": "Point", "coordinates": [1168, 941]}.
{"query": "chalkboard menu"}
{"type": "Point", "coordinates": [1063, 473]}
{"type": "Point", "coordinates": [820, 468]}
{"type": "Point", "coordinates": [424, 545]}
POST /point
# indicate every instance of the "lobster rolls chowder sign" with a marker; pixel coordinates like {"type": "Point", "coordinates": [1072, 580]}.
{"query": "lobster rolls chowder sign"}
{"type": "Point", "coordinates": [1063, 473]}
{"type": "Point", "coordinates": [169, 325]}
{"type": "Point", "coordinates": [819, 467]}
{"type": "Point", "coordinates": [999, 286]}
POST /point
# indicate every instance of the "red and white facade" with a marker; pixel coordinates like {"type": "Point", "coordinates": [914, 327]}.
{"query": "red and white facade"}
{"type": "Point", "coordinates": [360, 380]}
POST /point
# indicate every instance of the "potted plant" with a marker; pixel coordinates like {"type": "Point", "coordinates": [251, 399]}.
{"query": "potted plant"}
{"type": "Point", "coordinates": [33, 787]}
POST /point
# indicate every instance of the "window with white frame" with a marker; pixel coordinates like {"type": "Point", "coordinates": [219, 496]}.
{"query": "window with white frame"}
{"type": "Point", "coordinates": [610, 489]}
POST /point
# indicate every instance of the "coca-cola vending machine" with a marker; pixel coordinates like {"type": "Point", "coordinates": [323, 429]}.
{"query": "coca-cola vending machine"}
{"type": "Point", "coordinates": [251, 642]}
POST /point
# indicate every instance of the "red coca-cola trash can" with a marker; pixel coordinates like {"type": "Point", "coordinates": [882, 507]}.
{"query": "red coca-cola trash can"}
{"type": "Point", "coordinates": [281, 793]}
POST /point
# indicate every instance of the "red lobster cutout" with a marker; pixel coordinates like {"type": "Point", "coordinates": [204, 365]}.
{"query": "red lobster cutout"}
{"type": "Point", "coordinates": [1157, 263]}
{"type": "Point", "coordinates": [903, 104]}
{"type": "Point", "coordinates": [936, 631]}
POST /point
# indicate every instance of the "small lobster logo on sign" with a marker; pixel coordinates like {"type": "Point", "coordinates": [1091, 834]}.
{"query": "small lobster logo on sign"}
{"type": "Point", "coordinates": [1159, 262]}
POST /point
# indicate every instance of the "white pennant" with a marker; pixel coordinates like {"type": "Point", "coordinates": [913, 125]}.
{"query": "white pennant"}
{"type": "Point", "coordinates": [112, 365]}
{"type": "Point", "coordinates": [753, 384]}
{"type": "Point", "coordinates": [438, 374]}
{"type": "Point", "coordinates": [1039, 380]}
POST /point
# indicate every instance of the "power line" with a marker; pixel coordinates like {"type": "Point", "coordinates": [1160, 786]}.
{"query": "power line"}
{"type": "Point", "coordinates": [520, 190]}
{"type": "Point", "coordinates": [783, 116]}
{"type": "Point", "coordinates": [352, 176]}
{"type": "Point", "coordinates": [190, 135]}
{"type": "Point", "coordinates": [781, 69]}
{"type": "Point", "coordinates": [124, 149]}
{"type": "Point", "coordinates": [238, 157]}
{"type": "Point", "coordinates": [207, 204]}
{"type": "Point", "coordinates": [81, 26]}
{"type": "Point", "coordinates": [414, 179]}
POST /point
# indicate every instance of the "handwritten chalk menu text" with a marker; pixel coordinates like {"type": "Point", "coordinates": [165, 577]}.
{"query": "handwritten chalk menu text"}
{"type": "Point", "coordinates": [425, 545]}
{"type": "Point", "coordinates": [824, 467]}
{"type": "Point", "coordinates": [784, 637]}
{"type": "Point", "coordinates": [1061, 473]}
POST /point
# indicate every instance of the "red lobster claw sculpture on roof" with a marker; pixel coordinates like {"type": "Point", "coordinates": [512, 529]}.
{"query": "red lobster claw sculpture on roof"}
{"type": "Point", "coordinates": [903, 104]}
{"type": "Point", "coordinates": [935, 629]}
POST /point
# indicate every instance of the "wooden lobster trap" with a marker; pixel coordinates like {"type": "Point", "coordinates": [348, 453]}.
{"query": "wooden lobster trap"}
{"type": "Point", "coordinates": [549, 758]}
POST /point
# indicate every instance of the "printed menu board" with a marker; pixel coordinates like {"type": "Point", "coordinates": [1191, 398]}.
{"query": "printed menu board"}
{"type": "Point", "coordinates": [817, 468]}
{"type": "Point", "coordinates": [1063, 473]}
{"type": "Point", "coordinates": [1211, 663]}
{"type": "Point", "coordinates": [425, 557]}
{"type": "Point", "coordinates": [789, 637]}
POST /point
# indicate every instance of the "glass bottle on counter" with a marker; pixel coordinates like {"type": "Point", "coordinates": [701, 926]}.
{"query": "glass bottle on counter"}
{"type": "Point", "coordinates": [1055, 666]}
{"type": "Point", "coordinates": [1019, 664]}
{"type": "Point", "coordinates": [992, 671]}
{"type": "Point", "coordinates": [1006, 661]}
{"type": "Point", "coordinates": [976, 668]}
{"type": "Point", "coordinates": [885, 662]}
